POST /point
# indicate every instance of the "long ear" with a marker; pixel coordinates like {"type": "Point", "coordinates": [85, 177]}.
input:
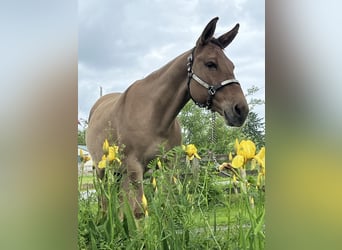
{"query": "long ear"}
{"type": "Point", "coordinates": [208, 32]}
{"type": "Point", "coordinates": [228, 37]}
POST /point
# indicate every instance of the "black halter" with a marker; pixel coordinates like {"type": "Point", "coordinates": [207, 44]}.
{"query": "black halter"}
{"type": "Point", "coordinates": [212, 89]}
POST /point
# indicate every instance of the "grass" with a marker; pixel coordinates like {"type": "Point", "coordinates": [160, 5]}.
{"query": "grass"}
{"type": "Point", "coordinates": [187, 211]}
{"type": "Point", "coordinates": [87, 179]}
{"type": "Point", "coordinates": [219, 216]}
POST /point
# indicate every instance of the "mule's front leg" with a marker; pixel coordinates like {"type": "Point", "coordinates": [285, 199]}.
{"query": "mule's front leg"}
{"type": "Point", "coordinates": [133, 186]}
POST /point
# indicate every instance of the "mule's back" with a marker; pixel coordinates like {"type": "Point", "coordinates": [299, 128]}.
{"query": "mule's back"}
{"type": "Point", "coordinates": [103, 99]}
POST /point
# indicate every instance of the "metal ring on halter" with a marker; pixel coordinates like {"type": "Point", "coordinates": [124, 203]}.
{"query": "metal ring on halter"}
{"type": "Point", "coordinates": [211, 90]}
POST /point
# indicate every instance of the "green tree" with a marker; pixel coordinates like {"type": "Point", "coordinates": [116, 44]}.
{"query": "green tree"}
{"type": "Point", "coordinates": [254, 129]}
{"type": "Point", "coordinates": [81, 137]}
{"type": "Point", "coordinates": [196, 124]}
{"type": "Point", "coordinates": [254, 101]}
{"type": "Point", "coordinates": [81, 132]}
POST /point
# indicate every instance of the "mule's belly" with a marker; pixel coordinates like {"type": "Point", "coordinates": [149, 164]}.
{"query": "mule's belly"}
{"type": "Point", "coordinates": [145, 145]}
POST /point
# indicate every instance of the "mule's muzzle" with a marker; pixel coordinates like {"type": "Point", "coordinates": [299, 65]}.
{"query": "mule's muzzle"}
{"type": "Point", "coordinates": [237, 115]}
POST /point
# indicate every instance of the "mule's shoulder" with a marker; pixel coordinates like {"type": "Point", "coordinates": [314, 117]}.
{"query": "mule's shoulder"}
{"type": "Point", "coordinates": [103, 99]}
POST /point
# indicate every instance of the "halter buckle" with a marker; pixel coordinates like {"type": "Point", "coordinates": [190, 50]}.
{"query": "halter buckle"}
{"type": "Point", "coordinates": [211, 90]}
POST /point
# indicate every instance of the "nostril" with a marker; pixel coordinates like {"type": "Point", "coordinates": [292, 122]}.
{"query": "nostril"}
{"type": "Point", "coordinates": [237, 110]}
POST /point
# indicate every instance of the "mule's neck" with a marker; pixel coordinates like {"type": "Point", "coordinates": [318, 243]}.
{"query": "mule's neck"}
{"type": "Point", "coordinates": [171, 92]}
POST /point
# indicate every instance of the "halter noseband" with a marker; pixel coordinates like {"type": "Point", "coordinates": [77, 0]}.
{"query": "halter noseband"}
{"type": "Point", "coordinates": [212, 89]}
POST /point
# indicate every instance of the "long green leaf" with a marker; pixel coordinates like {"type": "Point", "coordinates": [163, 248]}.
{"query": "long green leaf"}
{"type": "Point", "coordinates": [260, 224]}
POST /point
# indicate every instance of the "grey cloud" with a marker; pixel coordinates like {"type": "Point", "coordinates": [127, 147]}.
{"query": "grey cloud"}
{"type": "Point", "coordinates": [122, 41]}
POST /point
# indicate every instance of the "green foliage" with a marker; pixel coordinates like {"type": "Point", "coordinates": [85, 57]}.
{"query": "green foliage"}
{"type": "Point", "coordinates": [254, 129]}
{"type": "Point", "coordinates": [254, 101]}
{"type": "Point", "coordinates": [188, 208]}
{"type": "Point", "coordinates": [81, 137]}
{"type": "Point", "coordinates": [83, 123]}
{"type": "Point", "coordinates": [196, 124]}
{"type": "Point", "coordinates": [189, 205]}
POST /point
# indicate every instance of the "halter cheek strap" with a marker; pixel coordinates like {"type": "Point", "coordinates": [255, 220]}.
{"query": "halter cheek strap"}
{"type": "Point", "coordinates": [212, 89]}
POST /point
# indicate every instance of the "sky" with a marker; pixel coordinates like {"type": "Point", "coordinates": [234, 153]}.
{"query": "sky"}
{"type": "Point", "coordinates": [123, 41]}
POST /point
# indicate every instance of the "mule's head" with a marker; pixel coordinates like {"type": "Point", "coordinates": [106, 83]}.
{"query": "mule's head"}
{"type": "Point", "coordinates": [212, 82]}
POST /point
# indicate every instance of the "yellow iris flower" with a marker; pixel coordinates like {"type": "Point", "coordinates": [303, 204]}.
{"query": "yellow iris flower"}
{"type": "Point", "coordinates": [238, 161]}
{"type": "Point", "coordinates": [154, 183]}
{"type": "Point", "coordinates": [84, 158]}
{"type": "Point", "coordinates": [109, 154]}
{"type": "Point", "coordinates": [246, 152]}
{"type": "Point", "coordinates": [159, 164]}
{"type": "Point", "coordinates": [260, 157]}
{"type": "Point", "coordinates": [236, 145]}
{"type": "Point", "coordinates": [191, 151]}
{"type": "Point", "coordinates": [144, 204]}
{"type": "Point", "coordinates": [112, 154]}
{"type": "Point", "coordinates": [230, 156]}
{"type": "Point", "coordinates": [103, 162]}
{"type": "Point", "coordinates": [81, 154]}
{"type": "Point", "coordinates": [247, 149]}
{"type": "Point", "coordinates": [105, 147]}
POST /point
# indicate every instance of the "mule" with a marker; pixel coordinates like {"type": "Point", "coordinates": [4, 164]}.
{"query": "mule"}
{"type": "Point", "coordinates": [144, 116]}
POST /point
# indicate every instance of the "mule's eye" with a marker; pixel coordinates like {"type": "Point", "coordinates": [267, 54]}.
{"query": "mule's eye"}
{"type": "Point", "coordinates": [211, 65]}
